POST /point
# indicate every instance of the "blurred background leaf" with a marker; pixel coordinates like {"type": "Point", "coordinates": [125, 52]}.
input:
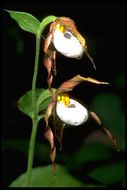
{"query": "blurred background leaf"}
{"type": "Point", "coordinates": [109, 174]}
{"type": "Point", "coordinates": [89, 152]}
{"type": "Point", "coordinates": [43, 177]}
{"type": "Point", "coordinates": [41, 152]}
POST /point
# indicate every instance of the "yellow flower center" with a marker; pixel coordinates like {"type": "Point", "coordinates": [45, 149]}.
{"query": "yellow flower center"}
{"type": "Point", "coordinates": [60, 27]}
{"type": "Point", "coordinates": [64, 98]}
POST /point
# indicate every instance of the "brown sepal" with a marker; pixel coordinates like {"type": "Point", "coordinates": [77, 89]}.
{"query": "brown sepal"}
{"type": "Point", "coordinates": [95, 117]}
{"type": "Point", "coordinates": [104, 130]}
{"type": "Point", "coordinates": [112, 139]}
{"type": "Point", "coordinates": [70, 84]}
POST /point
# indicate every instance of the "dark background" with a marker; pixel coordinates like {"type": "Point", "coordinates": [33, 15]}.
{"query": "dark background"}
{"type": "Point", "coordinates": [102, 25]}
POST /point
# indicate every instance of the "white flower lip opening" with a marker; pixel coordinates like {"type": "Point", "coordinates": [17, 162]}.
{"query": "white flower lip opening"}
{"type": "Point", "coordinates": [71, 112]}
{"type": "Point", "coordinates": [66, 43]}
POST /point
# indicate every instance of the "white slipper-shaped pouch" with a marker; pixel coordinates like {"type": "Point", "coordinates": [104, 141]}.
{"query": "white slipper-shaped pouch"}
{"type": "Point", "coordinates": [71, 112]}
{"type": "Point", "coordinates": [66, 43]}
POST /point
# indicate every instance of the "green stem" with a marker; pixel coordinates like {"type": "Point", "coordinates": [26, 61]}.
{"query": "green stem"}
{"type": "Point", "coordinates": [43, 24]}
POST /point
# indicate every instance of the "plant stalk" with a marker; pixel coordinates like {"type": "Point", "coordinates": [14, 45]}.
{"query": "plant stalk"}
{"type": "Point", "coordinates": [35, 117]}
{"type": "Point", "coordinates": [43, 24]}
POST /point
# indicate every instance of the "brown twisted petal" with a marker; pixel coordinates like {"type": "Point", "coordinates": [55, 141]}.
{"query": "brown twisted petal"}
{"type": "Point", "coordinates": [48, 41]}
{"type": "Point", "coordinates": [48, 134]}
{"type": "Point", "coordinates": [53, 153]}
{"type": "Point", "coordinates": [49, 112]}
{"type": "Point", "coordinates": [54, 62]}
{"type": "Point", "coordinates": [53, 157]}
{"type": "Point", "coordinates": [59, 127]}
{"type": "Point", "coordinates": [49, 37]}
{"type": "Point", "coordinates": [48, 64]}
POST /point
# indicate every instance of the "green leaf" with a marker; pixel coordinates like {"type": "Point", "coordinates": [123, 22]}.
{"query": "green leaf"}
{"type": "Point", "coordinates": [25, 102]}
{"type": "Point", "coordinates": [41, 151]}
{"type": "Point", "coordinates": [43, 99]}
{"type": "Point", "coordinates": [43, 177]}
{"type": "Point", "coordinates": [109, 174]}
{"type": "Point", "coordinates": [26, 21]}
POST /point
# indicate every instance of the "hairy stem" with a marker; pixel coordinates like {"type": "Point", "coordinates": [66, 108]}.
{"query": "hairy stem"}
{"type": "Point", "coordinates": [43, 24]}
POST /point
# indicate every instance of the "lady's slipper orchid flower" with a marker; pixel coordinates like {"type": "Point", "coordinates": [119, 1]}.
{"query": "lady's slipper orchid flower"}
{"type": "Point", "coordinates": [70, 111]}
{"type": "Point", "coordinates": [63, 37]}
{"type": "Point", "coordinates": [67, 43]}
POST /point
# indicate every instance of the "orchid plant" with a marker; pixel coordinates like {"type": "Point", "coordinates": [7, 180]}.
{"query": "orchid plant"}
{"type": "Point", "coordinates": [63, 37]}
